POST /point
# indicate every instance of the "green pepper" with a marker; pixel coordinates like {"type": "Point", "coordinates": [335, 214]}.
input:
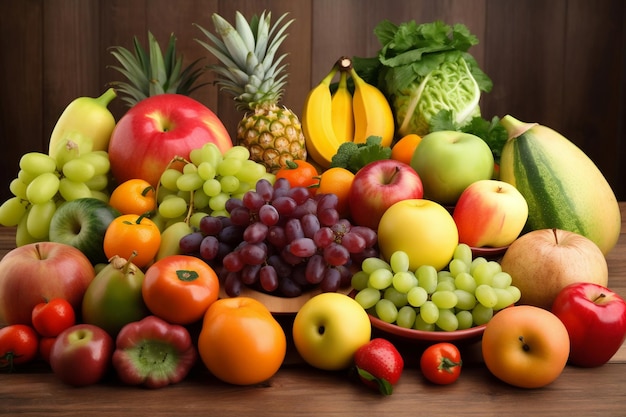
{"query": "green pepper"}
{"type": "Point", "coordinates": [153, 353]}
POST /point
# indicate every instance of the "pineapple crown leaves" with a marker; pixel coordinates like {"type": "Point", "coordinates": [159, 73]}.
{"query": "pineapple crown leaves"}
{"type": "Point", "coordinates": [150, 73]}
{"type": "Point", "coordinates": [249, 69]}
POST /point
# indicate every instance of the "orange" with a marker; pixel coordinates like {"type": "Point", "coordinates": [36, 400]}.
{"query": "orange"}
{"type": "Point", "coordinates": [241, 342]}
{"type": "Point", "coordinates": [134, 196]}
{"type": "Point", "coordinates": [404, 149]}
{"type": "Point", "coordinates": [338, 181]}
{"type": "Point", "coordinates": [132, 235]}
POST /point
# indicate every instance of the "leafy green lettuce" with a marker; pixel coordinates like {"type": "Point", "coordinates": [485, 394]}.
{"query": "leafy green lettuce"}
{"type": "Point", "coordinates": [423, 69]}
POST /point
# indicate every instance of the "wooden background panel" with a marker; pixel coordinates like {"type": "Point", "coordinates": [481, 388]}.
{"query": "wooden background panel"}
{"type": "Point", "coordinates": [561, 63]}
{"type": "Point", "coordinates": [347, 27]}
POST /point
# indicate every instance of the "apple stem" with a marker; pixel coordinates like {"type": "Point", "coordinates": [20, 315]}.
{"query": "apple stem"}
{"type": "Point", "coordinates": [599, 298]}
{"type": "Point", "coordinates": [556, 236]}
{"type": "Point", "coordinates": [38, 249]}
{"type": "Point", "coordinates": [525, 346]}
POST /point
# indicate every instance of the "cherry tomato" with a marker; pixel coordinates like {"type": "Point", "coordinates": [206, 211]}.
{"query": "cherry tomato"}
{"type": "Point", "coordinates": [130, 233]}
{"type": "Point", "coordinates": [134, 196]}
{"type": "Point", "coordinates": [180, 288]}
{"type": "Point", "coordinates": [441, 363]}
{"type": "Point", "coordinates": [19, 344]}
{"type": "Point", "coordinates": [300, 173]}
{"type": "Point", "coordinates": [51, 317]}
{"type": "Point", "coordinates": [45, 346]}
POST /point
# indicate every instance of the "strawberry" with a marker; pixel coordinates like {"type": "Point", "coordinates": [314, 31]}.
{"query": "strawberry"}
{"type": "Point", "coordinates": [379, 365]}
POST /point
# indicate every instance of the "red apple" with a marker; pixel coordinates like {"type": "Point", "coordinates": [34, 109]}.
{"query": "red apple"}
{"type": "Point", "coordinates": [81, 355]}
{"type": "Point", "coordinates": [156, 130]}
{"type": "Point", "coordinates": [41, 271]}
{"type": "Point", "coordinates": [490, 213]}
{"type": "Point", "coordinates": [595, 318]}
{"type": "Point", "coordinates": [377, 186]}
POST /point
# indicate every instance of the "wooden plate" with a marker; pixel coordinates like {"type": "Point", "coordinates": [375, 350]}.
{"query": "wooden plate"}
{"type": "Point", "coordinates": [280, 305]}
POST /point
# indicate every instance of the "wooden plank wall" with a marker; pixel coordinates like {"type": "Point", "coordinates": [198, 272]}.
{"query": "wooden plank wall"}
{"type": "Point", "coordinates": [561, 63]}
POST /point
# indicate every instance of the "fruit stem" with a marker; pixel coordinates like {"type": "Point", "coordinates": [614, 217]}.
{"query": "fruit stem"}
{"type": "Point", "coordinates": [344, 64]}
{"type": "Point", "coordinates": [514, 127]}
{"type": "Point", "coordinates": [106, 97]}
{"type": "Point", "coordinates": [600, 298]}
{"type": "Point", "coordinates": [525, 346]}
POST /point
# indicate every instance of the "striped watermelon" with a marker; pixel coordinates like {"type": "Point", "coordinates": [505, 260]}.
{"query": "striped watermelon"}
{"type": "Point", "coordinates": [562, 185]}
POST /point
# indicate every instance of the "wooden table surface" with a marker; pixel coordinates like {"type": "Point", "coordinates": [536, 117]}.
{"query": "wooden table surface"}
{"type": "Point", "coordinates": [298, 389]}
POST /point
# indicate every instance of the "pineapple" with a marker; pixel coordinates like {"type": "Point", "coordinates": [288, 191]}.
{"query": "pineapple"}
{"type": "Point", "coordinates": [149, 74]}
{"type": "Point", "coordinates": [252, 74]}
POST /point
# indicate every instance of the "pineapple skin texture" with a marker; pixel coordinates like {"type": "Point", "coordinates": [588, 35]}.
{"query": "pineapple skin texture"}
{"type": "Point", "coordinates": [273, 135]}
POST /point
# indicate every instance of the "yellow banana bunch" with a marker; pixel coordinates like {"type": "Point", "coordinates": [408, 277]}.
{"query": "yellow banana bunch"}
{"type": "Point", "coordinates": [372, 112]}
{"type": "Point", "coordinates": [321, 141]}
{"type": "Point", "coordinates": [329, 120]}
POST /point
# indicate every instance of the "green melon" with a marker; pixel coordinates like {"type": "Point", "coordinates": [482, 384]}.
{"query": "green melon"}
{"type": "Point", "coordinates": [562, 185]}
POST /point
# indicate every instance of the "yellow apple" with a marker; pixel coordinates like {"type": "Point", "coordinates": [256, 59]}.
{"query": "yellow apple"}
{"type": "Point", "coordinates": [544, 261]}
{"type": "Point", "coordinates": [328, 329]}
{"type": "Point", "coordinates": [525, 346]}
{"type": "Point", "coordinates": [490, 213]}
{"type": "Point", "coordinates": [423, 229]}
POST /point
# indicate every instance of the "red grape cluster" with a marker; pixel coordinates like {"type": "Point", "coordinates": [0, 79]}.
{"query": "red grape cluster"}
{"type": "Point", "coordinates": [281, 240]}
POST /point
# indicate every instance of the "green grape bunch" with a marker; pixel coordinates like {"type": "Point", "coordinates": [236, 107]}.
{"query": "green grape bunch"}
{"type": "Point", "coordinates": [466, 294]}
{"type": "Point", "coordinates": [205, 183]}
{"type": "Point", "coordinates": [43, 183]}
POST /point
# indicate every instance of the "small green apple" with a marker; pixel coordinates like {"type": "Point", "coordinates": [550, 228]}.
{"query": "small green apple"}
{"type": "Point", "coordinates": [328, 329]}
{"type": "Point", "coordinates": [82, 223]}
{"type": "Point", "coordinates": [449, 161]}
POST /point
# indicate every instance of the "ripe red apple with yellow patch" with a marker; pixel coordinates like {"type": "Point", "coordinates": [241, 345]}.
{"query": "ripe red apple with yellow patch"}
{"type": "Point", "coordinates": [41, 271]}
{"type": "Point", "coordinates": [490, 213]}
{"type": "Point", "coordinates": [377, 186]}
{"type": "Point", "coordinates": [157, 129]}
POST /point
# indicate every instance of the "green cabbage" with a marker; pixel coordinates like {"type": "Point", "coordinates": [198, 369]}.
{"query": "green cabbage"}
{"type": "Point", "coordinates": [424, 69]}
{"type": "Point", "coordinates": [451, 86]}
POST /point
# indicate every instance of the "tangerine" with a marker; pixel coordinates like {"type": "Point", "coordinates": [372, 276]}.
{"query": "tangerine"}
{"type": "Point", "coordinates": [404, 148]}
{"type": "Point", "coordinates": [338, 181]}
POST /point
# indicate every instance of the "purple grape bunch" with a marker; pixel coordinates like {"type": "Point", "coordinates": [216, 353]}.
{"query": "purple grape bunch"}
{"type": "Point", "coordinates": [280, 240]}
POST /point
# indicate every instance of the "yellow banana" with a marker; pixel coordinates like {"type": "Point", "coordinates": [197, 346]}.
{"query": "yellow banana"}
{"type": "Point", "coordinates": [342, 116]}
{"type": "Point", "coordinates": [321, 141]}
{"type": "Point", "coordinates": [372, 112]}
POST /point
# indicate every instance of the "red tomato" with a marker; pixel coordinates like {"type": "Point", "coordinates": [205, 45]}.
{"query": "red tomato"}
{"type": "Point", "coordinates": [52, 317]}
{"type": "Point", "coordinates": [180, 288]}
{"type": "Point", "coordinates": [45, 346]}
{"type": "Point", "coordinates": [441, 363]}
{"type": "Point", "coordinates": [300, 173]}
{"type": "Point", "coordinates": [18, 345]}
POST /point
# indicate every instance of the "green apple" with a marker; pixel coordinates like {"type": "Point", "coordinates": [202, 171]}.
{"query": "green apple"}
{"type": "Point", "coordinates": [424, 229]}
{"type": "Point", "coordinates": [449, 161]}
{"type": "Point", "coordinates": [82, 223]}
{"type": "Point", "coordinates": [328, 329]}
